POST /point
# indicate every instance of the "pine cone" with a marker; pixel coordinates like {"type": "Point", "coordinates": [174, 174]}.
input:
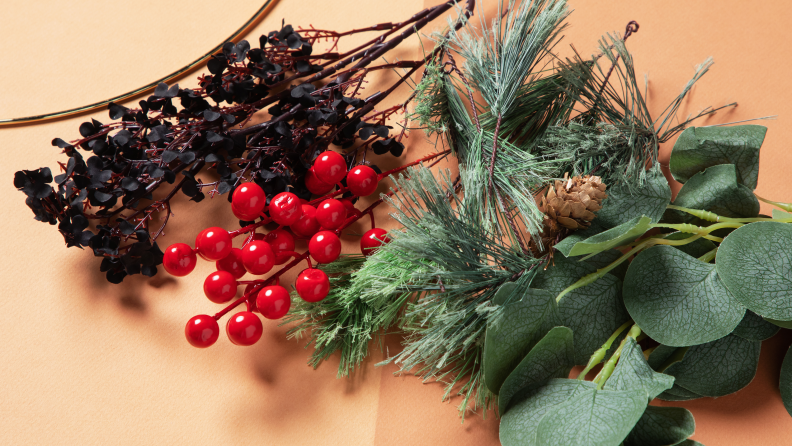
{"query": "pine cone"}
{"type": "Point", "coordinates": [570, 205]}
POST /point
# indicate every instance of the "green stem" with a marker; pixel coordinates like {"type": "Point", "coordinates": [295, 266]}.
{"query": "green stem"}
{"type": "Point", "coordinates": [785, 206]}
{"type": "Point", "coordinates": [607, 369]}
{"type": "Point", "coordinates": [713, 217]}
{"type": "Point", "coordinates": [706, 258]}
{"type": "Point", "coordinates": [599, 355]}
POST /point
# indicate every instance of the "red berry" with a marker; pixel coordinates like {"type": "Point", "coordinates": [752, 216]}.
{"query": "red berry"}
{"type": "Point", "coordinates": [213, 243]}
{"type": "Point", "coordinates": [331, 214]}
{"type": "Point", "coordinates": [244, 328]}
{"type": "Point", "coordinates": [307, 225]}
{"type": "Point", "coordinates": [257, 257]}
{"type": "Point", "coordinates": [248, 201]}
{"type": "Point", "coordinates": [312, 285]}
{"type": "Point", "coordinates": [329, 167]}
{"type": "Point", "coordinates": [316, 186]}
{"type": "Point", "coordinates": [324, 246]}
{"type": "Point", "coordinates": [273, 302]}
{"type": "Point", "coordinates": [179, 259]}
{"type": "Point", "coordinates": [232, 263]}
{"type": "Point", "coordinates": [220, 287]}
{"type": "Point", "coordinates": [350, 207]}
{"type": "Point", "coordinates": [281, 241]}
{"type": "Point", "coordinates": [201, 331]}
{"type": "Point", "coordinates": [373, 239]}
{"type": "Point", "coordinates": [285, 208]}
{"type": "Point", "coordinates": [362, 181]}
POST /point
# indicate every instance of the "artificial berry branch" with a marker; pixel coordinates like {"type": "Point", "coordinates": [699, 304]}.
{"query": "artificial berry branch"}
{"type": "Point", "coordinates": [110, 201]}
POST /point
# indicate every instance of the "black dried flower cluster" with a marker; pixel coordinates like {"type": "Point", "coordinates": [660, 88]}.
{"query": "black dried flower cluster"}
{"type": "Point", "coordinates": [114, 193]}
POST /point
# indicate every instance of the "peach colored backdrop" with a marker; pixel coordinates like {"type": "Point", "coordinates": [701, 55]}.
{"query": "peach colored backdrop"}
{"type": "Point", "coordinates": [84, 362]}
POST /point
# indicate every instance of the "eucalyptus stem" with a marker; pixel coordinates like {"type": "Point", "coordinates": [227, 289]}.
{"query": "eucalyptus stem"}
{"type": "Point", "coordinates": [785, 206]}
{"type": "Point", "coordinates": [706, 258]}
{"type": "Point", "coordinates": [607, 369]}
{"type": "Point", "coordinates": [713, 217]}
{"type": "Point", "coordinates": [599, 355]}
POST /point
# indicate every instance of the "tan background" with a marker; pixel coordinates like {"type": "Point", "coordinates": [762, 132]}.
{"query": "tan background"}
{"type": "Point", "coordinates": [84, 362]}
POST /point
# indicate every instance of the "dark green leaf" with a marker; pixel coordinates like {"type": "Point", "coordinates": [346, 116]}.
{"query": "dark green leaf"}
{"type": "Point", "coordinates": [679, 300]}
{"type": "Point", "coordinates": [696, 248]}
{"type": "Point", "coordinates": [633, 373]}
{"type": "Point", "coordinates": [699, 148]}
{"type": "Point", "coordinates": [678, 393]}
{"type": "Point", "coordinates": [662, 356]}
{"type": "Point", "coordinates": [626, 202]}
{"type": "Point", "coordinates": [660, 426]}
{"type": "Point", "coordinates": [613, 237]}
{"type": "Point", "coordinates": [552, 357]}
{"type": "Point", "coordinates": [605, 258]}
{"type": "Point", "coordinates": [782, 324]}
{"type": "Point", "coordinates": [592, 417]}
{"type": "Point", "coordinates": [785, 381]}
{"type": "Point", "coordinates": [755, 264]}
{"type": "Point", "coordinates": [717, 368]}
{"type": "Point", "coordinates": [593, 312]}
{"type": "Point", "coordinates": [716, 190]}
{"type": "Point", "coordinates": [518, 426]}
{"type": "Point", "coordinates": [510, 337]}
{"type": "Point", "coordinates": [754, 328]}
{"type": "Point", "coordinates": [565, 245]}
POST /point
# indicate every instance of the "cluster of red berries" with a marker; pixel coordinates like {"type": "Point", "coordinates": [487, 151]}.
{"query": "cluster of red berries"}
{"type": "Point", "coordinates": [260, 253]}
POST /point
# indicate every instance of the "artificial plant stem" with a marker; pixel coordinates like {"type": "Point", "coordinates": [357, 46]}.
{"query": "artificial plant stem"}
{"type": "Point", "coordinates": [785, 206]}
{"type": "Point", "coordinates": [599, 355]}
{"type": "Point", "coordinates": [706, 258]}
{"type": "Point", "coordinates": [607, 369]}
{"type": "Point", "coordinates": [713, 217]}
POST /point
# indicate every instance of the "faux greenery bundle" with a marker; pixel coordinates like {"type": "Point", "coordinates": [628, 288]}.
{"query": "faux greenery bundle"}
{"type": "Point", "coordinates": [657, 299]}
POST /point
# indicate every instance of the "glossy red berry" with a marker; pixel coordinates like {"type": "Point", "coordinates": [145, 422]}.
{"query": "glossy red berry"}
{"type": "Point", "coordinates": [329, 167]}
{"type": "Point", "coordinates": [202, 331]}
{"type": "Point", "coordinates": [248, 201]}
{"type": "Point", "coordinates": [257, 257]}
{"type": "Point", "coordinates": [324, 246]}
{"type": "Point", "coordinates": [315, 185]}
{"type": "Point", "coordinates": [331, 214]}
{"type": "Point", "coordinates": [213, 243]}
{"type": "Point", "coordinates": [273, 302]}
{"type": "Point", "coordinates": [232, 263]}
{"type": "Point", "coordinates": [179, 259]}
{"type": "Point", "coordinates": [307, 225]}
{"type": "Point", "coordinates": [350, 207]}
{"type": "Point", "coordinates": [373, 239]}
{"type": "Point", "coordinates": [244, 328]}
{"type": "Point", "coordinates": [220, 287]}
{"type": "Point", "coordinates": [285, 208]}
{"type": "Point", "coordinates": [312, 285]}
{"type": "Point", "coordinates": [362, 180]}
{"type": "Point", "coordinates": [280, 241]}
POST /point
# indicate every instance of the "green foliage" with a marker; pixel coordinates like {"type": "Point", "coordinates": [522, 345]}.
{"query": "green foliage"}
{"type": "Point", "coordinates": [679, 300]}
{"type": "Point", "coordinates": [696, 248]}
{"type": "Point", "coordinates": [624, 233]}
{"type": "Point", "coordinates": [785, 381]}
{"type": "Point", "coordinates": [755, 265]}
{"type": "Point", "coordinates": [525, 321]}
{"type": "Point", "coordinates": [627, 201]}
{"type": "Point", "coordinates": [552, 357]}
{"type": "Point", "coordinates": [699, 148]}
{"type": "Point", "coordinates": [593, 312]}
{"type": "Point", "coordinates": [660, 426]}
{"type": "Point", "coordinates": [717, 368]}
{"type": "Point", "coordinates": [754, 328]}
{"type": "Point", "coordinates": [716, 190]}
{"type": "Point", "coordinates": [633, 372]}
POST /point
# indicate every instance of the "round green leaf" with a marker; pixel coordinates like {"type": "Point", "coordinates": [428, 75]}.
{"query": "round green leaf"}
{"type": "Point", "coordinates": [717, 368]}
{"type": "Point", "coordinates": [755, 264]}
{"type": "Point", "coordinates": [660, 426]}
{"type": "Point", "coordinates": [679, 300]}
{"type": "Point", "coordinates": [754, 328]}
{"type": "Point", "coordinates": [633, 372]}
{"type": "Point", "coordinates": [715, 189]}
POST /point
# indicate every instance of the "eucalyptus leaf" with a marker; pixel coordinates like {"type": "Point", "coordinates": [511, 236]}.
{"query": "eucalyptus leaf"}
{"type": "Point", "coordinates": [717, 368]}
{"type": "Point", "coordinates": [785, 381]}
{"type": "Point", "coordinates": [660, 426]}
{"type": "Point", "coordinates": [605, 258]}
{"type": "Point", "coordinates": [754, 328]}
{"type": "Point", "coordinates": [782, 324]}
{"type": "Point", "coordinates": [778, 214]}
{"type": "Point", "coordinates": [716, 190]}
{"type": "Point", "coordinates": [565, 245]}
{"type": "Point", "coordinates": [612, 238]}
{"type": "Point", "coordinates": [592, 418]}
{"type": "Point", "coordinates": [628, 201]}
{"type": "Point", "coordinates": [552, 357]}
{"type": "Point", "coordinates": [593, 312]}
{"type": "Point", "coordinates": [755, 264]}
{"type": "Point", "coordinates": [663, 356]}
{"type": "Point", "coordinates": [510, 337]}
{"type": "Point", "coordinates": [519, 424]}
{"type": "Point", "coordinates": [633, 372]}
{"type": "Point", "coordinates": [699, 148]}
{"type": "Point", "coordinates": [678, 393]}
{"type": "Point", "coordinates": [677, 299]}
